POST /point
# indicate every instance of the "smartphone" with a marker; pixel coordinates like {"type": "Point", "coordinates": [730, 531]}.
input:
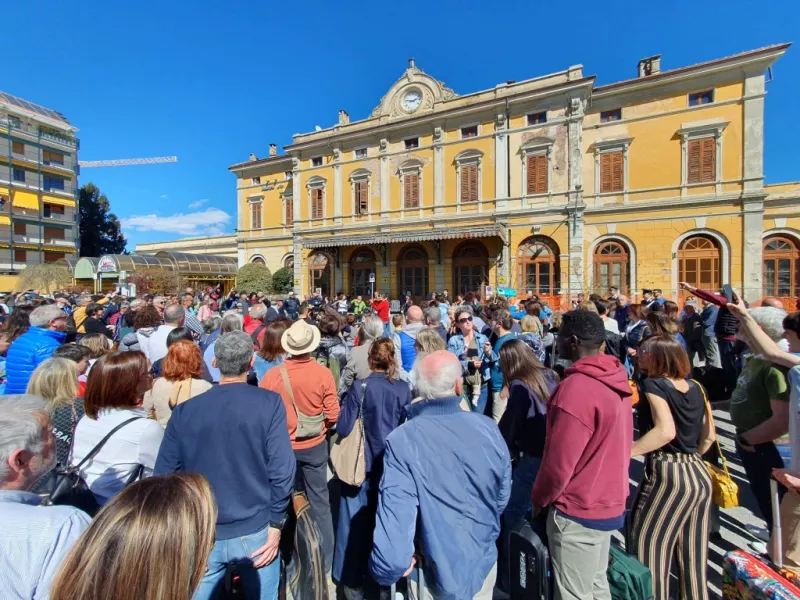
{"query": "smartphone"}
{"type": "Point", "coordinates": [728, 291]}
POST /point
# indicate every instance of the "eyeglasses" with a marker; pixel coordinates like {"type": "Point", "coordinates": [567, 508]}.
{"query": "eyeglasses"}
{"type": "Point", "coordinates": [465, 320]}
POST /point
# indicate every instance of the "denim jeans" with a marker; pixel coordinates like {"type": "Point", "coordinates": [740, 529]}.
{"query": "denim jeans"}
{"type": "Point", "coordinates": [312, 477]}
{"type": "Point", "coordinates": [758, 467]}
{"type": "Point", "coordinates": [483, 399]}
{"type": "Point", "coordinates": [257, 583]}
{"type": "Point", "coordinates": [728, 362]}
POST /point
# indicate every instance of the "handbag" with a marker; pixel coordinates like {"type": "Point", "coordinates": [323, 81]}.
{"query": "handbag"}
{"type": "Point", "coordinates": [69, 487]}
{"type": "Point", "coordinates": [308, 426]}
{"type": "Point", "coordinates": [724, 490]}
{"type": "Point", "coordinates": [348, 454]}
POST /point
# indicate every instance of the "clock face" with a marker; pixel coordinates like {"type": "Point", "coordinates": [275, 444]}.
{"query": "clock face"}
{"type": "Point", "coordinates": [412, 100]}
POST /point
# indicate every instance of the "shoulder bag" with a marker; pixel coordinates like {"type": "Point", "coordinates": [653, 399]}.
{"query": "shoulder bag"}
{"type": "Point", "coordinates": [724, 490]}
{"type": "Point", "coordinates": [348, 454]}
{"type": "Point", "coordinates": [307, 426]}
{"type": "Point", "coordinates": [69, 487]}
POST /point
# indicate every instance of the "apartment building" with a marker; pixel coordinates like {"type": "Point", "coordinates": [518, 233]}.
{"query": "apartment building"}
{"type": "Point", "coordinates": [553, 185]}
{"type": "Point", "coordinates": [38, 187]}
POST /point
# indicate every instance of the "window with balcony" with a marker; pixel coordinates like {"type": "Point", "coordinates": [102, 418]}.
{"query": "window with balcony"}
{"type": "Point", "coordinates": [53, 233]}
{"type": "Point", "coordinates": [698, 98]}
{"type": "Point", "coordinates": [539, 118]}
{"type": "Point", "coordinates": [468, 132]}
{"type": "Point", "coordinates": [19, 175]}
{"type": "Point", "coordinates": [53, 183]}
{"type": "Point", "coordinates": [20, 256]}
{"type": "Point", "coordinates": [53, 210]}
{"type": "Point", "coordinates": [20, 229]}
{"type": "Point", "coordinates": [611, 115]}
{"type": "Point", "coordinates": [52, 158]}
{"type": "Point", "coordinates": [412, 143]}
{"type": "Point", "coordinates": [316, 161]}
{"type": "Point", "coordinates": [17, 147]}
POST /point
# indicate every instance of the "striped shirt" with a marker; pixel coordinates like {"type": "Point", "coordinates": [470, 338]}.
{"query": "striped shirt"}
{"type": "Point", "coordinates": [192, 322]}
{"type": "Point", "coordinates": [33, 543]}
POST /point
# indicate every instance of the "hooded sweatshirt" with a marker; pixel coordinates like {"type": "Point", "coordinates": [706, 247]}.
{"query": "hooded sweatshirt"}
{"type": "Point", "coordinates": [584, 472]}
{"type": "Point", "coordinates": [404, 343]}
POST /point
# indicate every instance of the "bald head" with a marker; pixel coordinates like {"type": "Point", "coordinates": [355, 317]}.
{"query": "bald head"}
{"type": "Point", "coordinates": [773, 302]}
{"type": "Point", "coordinates": [438, 375]}
{"type": "Point", "coordinates": [414, 314]}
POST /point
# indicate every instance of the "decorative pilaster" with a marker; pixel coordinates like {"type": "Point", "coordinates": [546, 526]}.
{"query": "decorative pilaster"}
{"type": "Point", "coordinates": [575, 136]}
{"type": "Point", "coordinates": [337, 186]}
{"type": "Point", "coordinates": [384, 149]}
{"type": "Point", "coordinates": [501, 162]}
{"type": "Point", "coordinates": [752, 251]}
{"type": "Point", "coordinates": [438, 170]}
{"type": "Point", "coordinates": [753, 132]}
{"type": "Point", "coordinates": [298, 264]}
{"type": "Point", "coordinates": [296, 195]}
{"type": "Point", "coordinates": [575, 274]}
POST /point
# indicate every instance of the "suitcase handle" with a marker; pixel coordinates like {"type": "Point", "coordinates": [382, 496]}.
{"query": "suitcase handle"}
{"type": "Point", "coordinates": [776, 550]}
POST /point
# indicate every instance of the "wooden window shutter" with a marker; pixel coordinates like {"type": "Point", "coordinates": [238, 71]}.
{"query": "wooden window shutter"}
{"type": "Point", "coordinates": [606, 180]}
{"type": "Point", "coordinates": [256, 216]}
{"type": "Point", "coordinates": [316, 204]}
{"type": "Point", "coordinates": [541, 174]}
{"type": "Point", "coordinates": [694, 160]}
{"type": "Point", "coordinates": [410, 190]}
{"type": "Point", "coordinates": [289, 212]}
{"type": "Point", "coordinates": [530, 175]}
{"type": "Point", "coordinates": [469, 183]}
{"type": "Point", "coordinates": [616, 172]}
{"type": "Point", "coordinates": [708, 154]}
{"type": "Point", "coordinates": [362, 199]}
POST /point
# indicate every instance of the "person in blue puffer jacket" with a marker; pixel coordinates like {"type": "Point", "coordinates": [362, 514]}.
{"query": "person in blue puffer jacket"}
{"type": "Point", "coordinates": [47, 332]}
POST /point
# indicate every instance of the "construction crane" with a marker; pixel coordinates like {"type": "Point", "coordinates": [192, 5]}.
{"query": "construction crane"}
{"type": "Point", "coordinates": [125, 162]}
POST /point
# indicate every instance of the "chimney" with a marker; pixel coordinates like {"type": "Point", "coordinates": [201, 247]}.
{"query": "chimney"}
{"type": "Point", "coordinates": [253, 157]}
{"type": "Point", "coordinates": [344, 118]}
{"type": "Point", "coordinates": [273, 150]}
{"type": "Point", "coordinates": [411, 64]}
{"type": "Point", "coordinates": [650, 66]}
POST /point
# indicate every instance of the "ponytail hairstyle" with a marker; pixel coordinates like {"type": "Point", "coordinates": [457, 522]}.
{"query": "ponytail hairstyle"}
{"type": "Point", "coordinates": [381, 357]}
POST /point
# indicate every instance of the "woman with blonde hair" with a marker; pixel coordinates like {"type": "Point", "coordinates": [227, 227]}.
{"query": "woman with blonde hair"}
{"type": "Point", "coordinates": [152, 540]}
{"type": "Point", "coordinates": [98, 345]}
{"type": "Point", "coordinates": [428, 341]}
{"type": "Point", "coordinates": [181, 379]}
{"type": "Point", "coordinates": [56, 381]}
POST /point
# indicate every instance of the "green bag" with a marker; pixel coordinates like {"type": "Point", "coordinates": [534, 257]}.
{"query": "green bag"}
{"type": "Point", "coordinates": [628, 579]}
{"type": "Point", "coordinates": [323, 357]}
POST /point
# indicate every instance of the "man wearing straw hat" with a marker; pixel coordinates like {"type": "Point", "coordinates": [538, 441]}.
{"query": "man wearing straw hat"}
{"type": "Point", "coordinates": [312, 407]}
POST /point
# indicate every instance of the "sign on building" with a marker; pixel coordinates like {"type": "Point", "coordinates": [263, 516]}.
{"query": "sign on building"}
{"type": "Point", "coordinates": [106, 264]}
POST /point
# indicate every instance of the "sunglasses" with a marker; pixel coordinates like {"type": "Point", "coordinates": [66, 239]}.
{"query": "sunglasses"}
{"type": "Point", "coordinates": [465, 320]}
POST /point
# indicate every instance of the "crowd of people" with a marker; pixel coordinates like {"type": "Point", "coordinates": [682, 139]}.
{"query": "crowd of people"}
{"type": "Point", "coordinates": [193, 419]}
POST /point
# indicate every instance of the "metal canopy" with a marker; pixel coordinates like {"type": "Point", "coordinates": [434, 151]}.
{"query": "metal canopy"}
{"type": "Point", "coordinates": [69, 263]}
{"type": "Point", "coordinates": [200, 264]}
{"type": "Point", "coordinates": [114, 263]}
{"type": "Point", "coordinates": [85, 268]}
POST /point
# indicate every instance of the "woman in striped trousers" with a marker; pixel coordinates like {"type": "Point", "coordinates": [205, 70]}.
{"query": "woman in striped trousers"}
{"type": "Point", "coordinates": [670, 517]}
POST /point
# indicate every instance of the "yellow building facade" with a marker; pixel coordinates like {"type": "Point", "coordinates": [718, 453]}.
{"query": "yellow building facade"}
{"type": "Point", "coordinates": [553, 186]}
{"type": "Point", "coordinates": [38, 187]}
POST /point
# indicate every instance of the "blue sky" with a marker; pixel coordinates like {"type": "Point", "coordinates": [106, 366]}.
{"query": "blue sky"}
{"type": "Point", "coordinates": [212, 81]}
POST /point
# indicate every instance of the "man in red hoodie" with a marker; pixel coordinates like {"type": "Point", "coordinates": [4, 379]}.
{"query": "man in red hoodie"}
{"type": "Point", "coordinates": [380, 304]}
{"type": "Point", "coordinates": [583, 479]}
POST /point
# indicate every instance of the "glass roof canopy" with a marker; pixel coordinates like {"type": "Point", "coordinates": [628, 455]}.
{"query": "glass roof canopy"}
{"type": "Point", "coordinates": [183, 263]}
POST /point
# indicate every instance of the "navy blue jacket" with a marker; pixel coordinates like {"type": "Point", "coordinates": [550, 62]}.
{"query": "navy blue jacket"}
{"type": "Point", "coordinates": [434, 479]}
{"type": "Point", "coordinates": [384, 406]}
{"type": "Point", "coordinates": [26, 353]}
{"type": "Point", "coordinates": [236, 436]}
{"type": "Point", "coordinates": [524, 423]}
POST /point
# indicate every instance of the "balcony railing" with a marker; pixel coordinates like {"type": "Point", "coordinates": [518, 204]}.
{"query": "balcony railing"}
{"type": "Point", "coordinates": [65, 242]}
{"type": "Point", "coordinates": [66, 217]}
{"type": "Point", "coordinates": [44, 134]}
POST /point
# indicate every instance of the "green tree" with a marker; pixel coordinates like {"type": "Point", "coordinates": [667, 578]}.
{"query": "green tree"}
{"type": "Point", "coordinates": [254, 277]}
{"type": "Point", "coordinates": [282, 281]}
{"type": "Point", "coordinates": [46, 276]}
{"type": "Point", "coordinates": [155, 281]}
{"type": "Point", "coordinates": [99, 228]}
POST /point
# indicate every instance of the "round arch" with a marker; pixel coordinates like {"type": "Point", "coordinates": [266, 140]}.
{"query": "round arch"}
{"type": "Point", "coordinates": [539, 268]}
{"type": "Point", "coordinates": [780, 265]}
{"type": "Point", "coordinates": [412, 271]}
{"type": "Point", "coordinates": [721, 243]}
{"type": "Point", "coordinates": [362, 264]}
{"type": "Point", "coordinates": [630, 247]}
{"type": "Point", "coordinates": [321, 272]}
{"type": "Point", "coordinates": [258, 258]}
{"type": "Point", "coordinates": [470, 267]}
{"type": "Point", "coordinates": [287, 262]}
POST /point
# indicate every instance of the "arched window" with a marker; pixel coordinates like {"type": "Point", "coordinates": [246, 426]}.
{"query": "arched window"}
{"type": "Point", "coordinates": [412, 270]}
{"type": "Point", "coordinates": [257, 260]}
{"type": "Point", "coordinates": [538, 267]}
{"type": "Point", "coordinates": [781, 272]}
{"type": "Point", "coordinates": [611, 267]}
{"type": "Point", "coordinates": [470, 267]}
{"type": "Point", "coordinates": [699, 263]}
{"type": "Point", "coordinates": [288, 262]}
{"type": "Point", "coordinates": [362, 263]}
{"type": "Point", "coordinates": [320, 271]}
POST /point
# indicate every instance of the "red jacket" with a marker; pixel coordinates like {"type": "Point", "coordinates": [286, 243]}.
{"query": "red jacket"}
{"type": "Point", "coordinates": [587, 451]}
{"type": "Point", "coordinates": [382, 309]}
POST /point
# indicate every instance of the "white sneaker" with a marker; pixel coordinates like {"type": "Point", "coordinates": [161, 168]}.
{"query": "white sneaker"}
{"type": "Point", "coordinates": [759, 532]}
{"type": "Point", "coordinates": [758, 547]}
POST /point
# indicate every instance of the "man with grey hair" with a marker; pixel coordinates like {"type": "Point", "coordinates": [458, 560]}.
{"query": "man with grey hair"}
{"type": "Point", "coordinates": [189, 318]}
{"type": "Point", "coordinates": [28, 351]}
{"type": "Point", "coordinates": [35, 538]}
{"type": "Point", "coordinates": [252, 472]}
{"type": "Point", "coordinates": [358, 360]}
{"type": "Point", "coordinates": [433, 320]}
{"type": "Point", "coordinates": [174, 317]}
{"type": "Point", "coordinates": [256, 327]}
{"type": "Point", "coordinates": [423, 486]}
{"type": "Point", "coordinates": [231, 321]}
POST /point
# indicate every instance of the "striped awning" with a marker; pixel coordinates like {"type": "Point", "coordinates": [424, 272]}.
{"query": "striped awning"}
{"type": "Point", "coordinates": [401, 237]}
{"type": "Point", "coordinates": [25, 200]}
{"type": "Point", "coordinates": [66, 249]}
{"type": "Point", "coordinates": [59, 201]}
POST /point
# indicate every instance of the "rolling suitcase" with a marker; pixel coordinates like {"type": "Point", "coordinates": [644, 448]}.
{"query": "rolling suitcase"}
{"type": "Point", "coordinates": [529, 563]}
{"type": "Point", "coordinates": [749, 577]}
